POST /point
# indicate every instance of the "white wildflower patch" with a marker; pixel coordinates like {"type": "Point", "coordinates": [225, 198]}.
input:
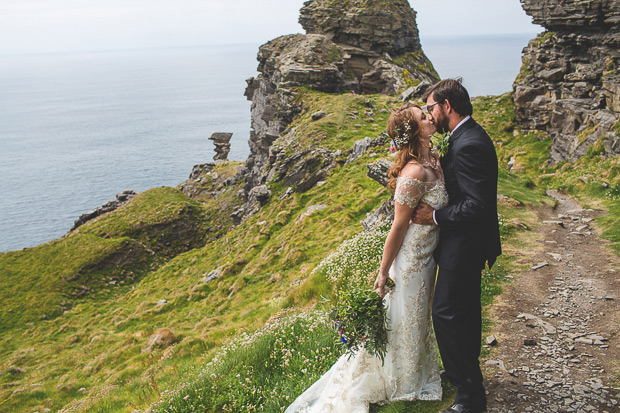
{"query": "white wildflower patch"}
{"type": "Point", "coordinates": [291, 351]}
{"type": "Point", "coordinates": [501, 220]}
{"type": "Point", "coordinates": [356, 259]}
{"type": "Point", "coordinates": [613, 192]}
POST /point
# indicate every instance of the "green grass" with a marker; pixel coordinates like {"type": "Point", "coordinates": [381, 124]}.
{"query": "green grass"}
{"type": "Point", "coordinates": [270, 369]}
{"type": "Point", "coordinates": [345, 123]}
{"type": "Point", "coordinates": [543, 37]}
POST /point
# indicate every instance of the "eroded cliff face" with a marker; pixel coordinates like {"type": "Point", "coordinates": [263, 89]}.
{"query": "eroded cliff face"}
{"type": "Point", "coordinates": [378, 26]}
{"type": "Point", "coordinates": [569, 83]}
{"type": "Point", "coordinates": [364, 46]}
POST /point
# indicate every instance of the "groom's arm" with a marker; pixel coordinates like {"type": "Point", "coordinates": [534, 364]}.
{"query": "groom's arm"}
{"type": "Point", "coordinates": [474, 170]}
{"type": "Point", "coordinates": [423, 214]}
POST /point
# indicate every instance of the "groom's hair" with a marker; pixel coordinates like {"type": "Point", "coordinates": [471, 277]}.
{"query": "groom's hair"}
{"type": "Point", "coordinates": [455, 92]}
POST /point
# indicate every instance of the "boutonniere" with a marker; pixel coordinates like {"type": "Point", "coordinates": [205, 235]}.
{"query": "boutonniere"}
{"type": "Point", "coordinates": [441, 143]}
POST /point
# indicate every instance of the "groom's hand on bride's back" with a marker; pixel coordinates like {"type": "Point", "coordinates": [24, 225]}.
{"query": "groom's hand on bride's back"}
{"type": "Point", "coordinates": [423, 214]}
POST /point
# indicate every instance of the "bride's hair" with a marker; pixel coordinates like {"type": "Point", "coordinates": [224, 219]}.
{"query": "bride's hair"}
{"type": "Point", "coordinates": [403, 126]}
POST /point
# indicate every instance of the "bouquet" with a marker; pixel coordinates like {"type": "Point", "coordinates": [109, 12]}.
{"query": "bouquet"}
{"type": "Point", "coordinates": [361, 322]}
{"type": "Point", "coordinates": [441, 143]}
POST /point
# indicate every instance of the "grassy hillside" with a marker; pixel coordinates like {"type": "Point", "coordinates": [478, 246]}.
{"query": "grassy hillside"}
{"type": "Point", "coordinates": [144, 266]}
{"type": "Point", "coordinates": [102, 255]}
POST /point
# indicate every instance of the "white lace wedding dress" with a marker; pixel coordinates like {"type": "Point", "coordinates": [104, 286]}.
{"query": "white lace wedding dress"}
{"type": "Point", "coordinates": [411, 370]}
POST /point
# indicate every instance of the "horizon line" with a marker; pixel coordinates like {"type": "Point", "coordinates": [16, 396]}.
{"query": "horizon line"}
{"type": "Point", "coordinates": [203, 45]}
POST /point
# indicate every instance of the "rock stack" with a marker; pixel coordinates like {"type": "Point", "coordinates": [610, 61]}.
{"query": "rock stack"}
{"type": "Point", "coordinates": [221, 141]}
{"type": "Point", "coordinates": [367, 26]}
{"type": "Point", "coordinates": [569, 83]}
{"type": "Point", "coordinates": [365, 46]}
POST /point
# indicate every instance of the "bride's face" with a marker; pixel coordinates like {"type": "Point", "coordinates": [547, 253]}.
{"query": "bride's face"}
{"type": "Point", "coordinates": [427, 128]}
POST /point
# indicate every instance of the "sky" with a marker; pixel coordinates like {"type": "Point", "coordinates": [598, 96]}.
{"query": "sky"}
{"type": "Point", "coordinates": [42, 26]}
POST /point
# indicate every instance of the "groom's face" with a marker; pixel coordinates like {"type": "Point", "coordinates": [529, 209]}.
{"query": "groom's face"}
{"type": "Point", "coordinates": [437, 114]}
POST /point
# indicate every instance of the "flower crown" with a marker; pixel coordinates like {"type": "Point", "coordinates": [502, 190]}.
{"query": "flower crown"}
{"type": "Point", "coordinates": [402, 138]}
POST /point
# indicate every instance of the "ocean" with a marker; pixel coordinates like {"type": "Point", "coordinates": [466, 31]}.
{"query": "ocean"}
{"type": "Point", "coordinates": [77, 128]}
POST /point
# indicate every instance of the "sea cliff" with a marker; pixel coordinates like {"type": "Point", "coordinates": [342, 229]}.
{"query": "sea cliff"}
{"type": "Point", "coordinates": [569, 85]}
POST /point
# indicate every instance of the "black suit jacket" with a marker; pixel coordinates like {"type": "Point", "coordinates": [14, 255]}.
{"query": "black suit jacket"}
{"type": "Point", "coordinates": [469, 227]}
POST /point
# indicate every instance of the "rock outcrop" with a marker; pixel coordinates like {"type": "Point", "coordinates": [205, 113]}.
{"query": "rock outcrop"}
{"type": "Point", "coordinates": [164, 337]}
{"type": "Point", "coordinates": [569, 84]}
{"type": "Point", "coordinates": [379, 171]}
{"type": "Point", "coordinates": [364, 46]}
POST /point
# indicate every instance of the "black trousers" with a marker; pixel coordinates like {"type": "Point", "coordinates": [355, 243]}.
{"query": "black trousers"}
{"type": "Point", "coordinates": [457, 320]}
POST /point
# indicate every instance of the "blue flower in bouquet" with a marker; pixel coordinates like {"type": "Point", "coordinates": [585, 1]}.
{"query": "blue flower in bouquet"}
{"type": "Point", "coordinates": [360, 314]}
{"type": "Point", "coordinates": [441, 144]}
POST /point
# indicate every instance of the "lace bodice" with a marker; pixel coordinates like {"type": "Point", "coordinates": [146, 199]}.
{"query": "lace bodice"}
{"type": "Point", "coordinates": [409, 191]}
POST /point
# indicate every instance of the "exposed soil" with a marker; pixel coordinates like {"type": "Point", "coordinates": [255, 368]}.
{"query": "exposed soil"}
{"type": "Point", "coordinates": [557, 326]}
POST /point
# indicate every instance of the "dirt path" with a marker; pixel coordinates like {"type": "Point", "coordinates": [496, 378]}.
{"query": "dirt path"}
{"type": "Point", "coordinates": [557, 324]}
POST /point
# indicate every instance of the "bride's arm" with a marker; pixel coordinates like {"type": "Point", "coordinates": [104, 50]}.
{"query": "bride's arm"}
{"type": "Point", "coordinates": [392, 244]}
{"type": "Point", "coordinates": [406, 197]}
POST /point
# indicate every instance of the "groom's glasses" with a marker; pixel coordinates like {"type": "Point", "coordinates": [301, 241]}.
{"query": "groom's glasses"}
{"type": "Point", "coordinates": [429, 108]}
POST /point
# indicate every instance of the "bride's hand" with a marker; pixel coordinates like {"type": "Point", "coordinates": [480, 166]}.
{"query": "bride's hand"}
{"type": "Point", "coordinates": [380, 284]}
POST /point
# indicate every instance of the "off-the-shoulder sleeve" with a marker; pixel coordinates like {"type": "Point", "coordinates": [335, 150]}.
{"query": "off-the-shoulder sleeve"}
{"type": "Point", "coordinates": [409, 191]}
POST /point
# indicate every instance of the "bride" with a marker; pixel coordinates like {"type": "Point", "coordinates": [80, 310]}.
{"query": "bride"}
{"type": "Point", "coordinates": [411, 370]}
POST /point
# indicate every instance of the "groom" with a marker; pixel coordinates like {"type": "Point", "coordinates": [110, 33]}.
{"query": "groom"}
{"type": "Point", "coordinates": [469, 239]}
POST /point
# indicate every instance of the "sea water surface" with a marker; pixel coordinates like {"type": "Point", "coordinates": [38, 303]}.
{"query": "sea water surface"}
{"type": "Point", "coordinates": [75, 129]}
{"type": "Point", "coordinates": [487, 64]}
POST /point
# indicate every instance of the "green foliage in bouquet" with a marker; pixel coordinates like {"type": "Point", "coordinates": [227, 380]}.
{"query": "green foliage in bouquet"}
{"type": "Point", "coordinates": [360, 318]}
{"type": "Point", "coordinates": [440, 143]}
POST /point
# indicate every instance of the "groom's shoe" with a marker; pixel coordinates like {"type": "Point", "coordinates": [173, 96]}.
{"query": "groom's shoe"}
{"type": "Point", "coordinates": [461, 408]}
